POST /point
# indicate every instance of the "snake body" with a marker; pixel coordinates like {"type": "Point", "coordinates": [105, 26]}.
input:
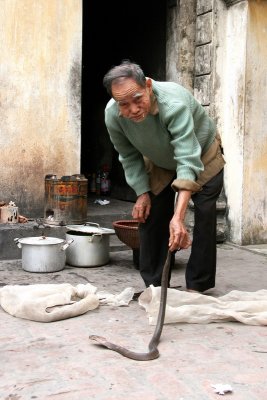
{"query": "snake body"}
{"type": "Point", "coordinates": [152, 352]}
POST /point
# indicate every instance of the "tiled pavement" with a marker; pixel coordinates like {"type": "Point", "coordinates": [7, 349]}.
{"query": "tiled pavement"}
{"type": "Point", "coordinates": [57, 360]}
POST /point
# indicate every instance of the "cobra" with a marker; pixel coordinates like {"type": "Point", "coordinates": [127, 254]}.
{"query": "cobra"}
{"type": "Point", "coordinates": [153, 351]}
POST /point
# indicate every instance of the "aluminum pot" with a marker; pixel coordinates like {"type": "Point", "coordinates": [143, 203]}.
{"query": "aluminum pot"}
{"type": "Point", "coordinates": [90, 246]}
{"type": "Point", "coordinates": [42, 253]}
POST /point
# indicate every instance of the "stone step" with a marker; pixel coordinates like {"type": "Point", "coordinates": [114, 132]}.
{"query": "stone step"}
{"type": "Point", "coordinates": [10, 251]}
{"type": "Point", "coordinates": [103, 215]}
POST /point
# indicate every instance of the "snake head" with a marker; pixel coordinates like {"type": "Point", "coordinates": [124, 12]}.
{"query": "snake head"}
{"type": "Point", "coordinates": [98, 339]}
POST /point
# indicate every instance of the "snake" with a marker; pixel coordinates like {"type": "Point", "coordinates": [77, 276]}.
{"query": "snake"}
{"type": "Point", "coordinates": [153, 351]}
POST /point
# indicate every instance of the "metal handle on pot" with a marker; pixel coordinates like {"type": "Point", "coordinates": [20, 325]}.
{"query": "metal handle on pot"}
{"type": "Point", "coordinates": [16, 240]}
{"type": "Point", "coordinates": [91, 238]}
{"type": "Point", "coordinates": [92, 224]}
{"type": "Point", "coordinates": [66, 245]}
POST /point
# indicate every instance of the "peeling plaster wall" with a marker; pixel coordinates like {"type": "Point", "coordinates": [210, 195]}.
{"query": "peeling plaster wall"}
{"type": "Point", "coordinates": [180, 46]}
{"type": "Point", "coordinates": [40, 74]}
{"type": "Point", "coordinates": [229, 99]}
{"type": "Point", "coordinates": [172, 44]}
{"type": "Point", "coordinates": [255, 138]}
{"type": "Point", "coordinates": [240, 97]}
{"type": "Point", "coordinates": [234, 35]}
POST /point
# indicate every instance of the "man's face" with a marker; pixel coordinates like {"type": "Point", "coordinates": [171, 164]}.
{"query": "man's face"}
{"type": "Point", "coordinates": [133, 100]}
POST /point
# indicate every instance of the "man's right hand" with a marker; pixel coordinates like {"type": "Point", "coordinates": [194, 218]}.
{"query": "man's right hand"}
{"type": "Point", "coordinates": [142, 208]}
{"type": "Point", "coordinates": [179, 237]}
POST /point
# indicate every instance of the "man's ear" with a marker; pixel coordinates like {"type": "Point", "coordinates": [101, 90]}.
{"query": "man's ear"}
{"type": "Point", "coordinates": [149, 84]}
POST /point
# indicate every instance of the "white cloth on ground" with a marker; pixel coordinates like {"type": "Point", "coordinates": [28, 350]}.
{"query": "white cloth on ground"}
{"type": "Point", "coordinates": [53, 302]}
{"type": "Point", "coordinates": [247, 307]}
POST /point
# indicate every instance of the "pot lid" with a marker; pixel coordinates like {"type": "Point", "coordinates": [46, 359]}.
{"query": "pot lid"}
{"type": "Point", "coordinates": [92, 228]}
{"type": "Point", "coordinates": [41, 240]}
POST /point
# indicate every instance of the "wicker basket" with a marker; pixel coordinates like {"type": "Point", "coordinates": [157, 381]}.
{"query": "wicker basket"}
{"type": "Point", "coordinates": [127, 232]}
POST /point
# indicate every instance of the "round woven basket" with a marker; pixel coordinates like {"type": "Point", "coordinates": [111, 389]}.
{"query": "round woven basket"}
{"type": "Point", "coordinates": [127, 232]}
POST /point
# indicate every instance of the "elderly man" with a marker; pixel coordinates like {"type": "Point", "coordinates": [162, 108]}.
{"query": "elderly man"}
{"type": "Point", "coordinates": [170, 152]}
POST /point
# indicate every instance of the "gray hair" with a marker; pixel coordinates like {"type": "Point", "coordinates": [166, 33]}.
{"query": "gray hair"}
{"type": "Point", "coordinates": [126, 69]}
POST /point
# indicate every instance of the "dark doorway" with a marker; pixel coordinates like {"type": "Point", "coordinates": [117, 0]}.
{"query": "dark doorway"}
{"type": "Point", "coordinates": [113, 31]}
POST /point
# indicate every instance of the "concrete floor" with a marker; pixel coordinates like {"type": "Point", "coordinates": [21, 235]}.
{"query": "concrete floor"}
{"type": "Point", "coordinates": [58, 361]}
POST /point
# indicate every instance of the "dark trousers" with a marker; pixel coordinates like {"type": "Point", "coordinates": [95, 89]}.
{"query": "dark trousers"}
{"type": "Point", "coordinates": [154, 237]}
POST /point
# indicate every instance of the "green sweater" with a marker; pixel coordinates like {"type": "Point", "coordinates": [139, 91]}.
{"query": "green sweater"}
{"type": "Point", "coordinates": [175, 138]}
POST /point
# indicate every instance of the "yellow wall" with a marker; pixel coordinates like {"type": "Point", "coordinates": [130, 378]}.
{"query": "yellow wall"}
{"type": "Point", "coordinates": [40, 75]}
{"type": "Point", "coordinates": [255, 136]}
